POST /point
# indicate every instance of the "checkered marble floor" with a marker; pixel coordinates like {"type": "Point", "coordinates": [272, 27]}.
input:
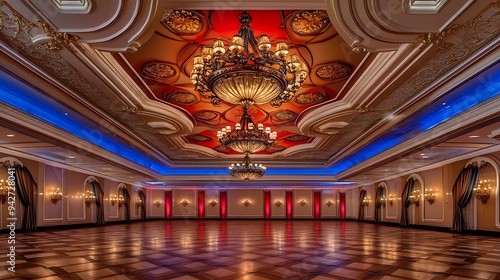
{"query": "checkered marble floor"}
{"type": "Point", "coordinates": [251, 249]}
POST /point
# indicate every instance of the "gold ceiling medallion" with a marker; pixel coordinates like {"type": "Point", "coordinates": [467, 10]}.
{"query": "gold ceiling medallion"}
{"type": "Point", "coordinates": [182, 22]}
{"type": "Point", "coordinates": [158, 70]}
{"type": "Point", "coordinates": [296, 137]}
{"type": "Point", "coordinates": [207, 115]}
{"type": "Point", "coordinates": [334, 71]}
{"type": "Point", "coordinates": [237, 75]}
{"type": "Point", "coordinates": [199, 138]}
{"type": "Point", "coordinates": [180, 97]}
{"type": "Point", "coordinates": [310, 22]}
{"type": "Point", "coordinates": [284, 116]}
{"type": "Point", "coordinates": [310, 98]}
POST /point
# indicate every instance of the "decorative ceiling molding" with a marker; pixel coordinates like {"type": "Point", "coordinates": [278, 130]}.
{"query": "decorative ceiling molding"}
{"type": "Point", "coordinates": [423, 6]}
{"type": "Point", "coordinates": [243, 5]}
{"type": "Point", "coordinates": [71, 6]}
{"type": "Point", "coordinates": [377, 25]}
{"type": "Point", "coordinates": [113, 25]}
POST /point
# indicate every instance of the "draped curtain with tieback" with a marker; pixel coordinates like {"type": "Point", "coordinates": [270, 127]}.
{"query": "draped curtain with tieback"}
{"type": "Point", "coordinates": [142, 197]}
{"type": "Point", "coordinates": [378, 204]}
{"type": "Point", "coordinates": [126, 203]}
{"type": "Point", "coordinates": [26, 189]}
{"type": "Point", "coordinates": [462, 192]}
{"type": "Point", "coordinates": [99, 201]}
{"type": "Point", "coordinates": [361, 212]}
{"type": "Point", "coordinates": [405, 198]}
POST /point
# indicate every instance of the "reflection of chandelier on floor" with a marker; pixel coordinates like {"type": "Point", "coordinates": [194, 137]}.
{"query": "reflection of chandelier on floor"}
{"type": "Point", "coordinates": [246, 137]}
{"type": "Point", "coordinates": [237, 76]}
{"type": "Point", "coordinates": [247, 170]}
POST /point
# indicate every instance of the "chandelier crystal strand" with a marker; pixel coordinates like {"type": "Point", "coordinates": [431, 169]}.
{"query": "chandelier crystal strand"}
{"type": "Point", "coordinates": [247, 170]}
{"type": "Point", "coordinates": [235, 74]}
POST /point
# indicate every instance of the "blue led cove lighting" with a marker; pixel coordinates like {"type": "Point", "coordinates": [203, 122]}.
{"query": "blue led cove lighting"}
{"type": "Point", "coordinates": [29, 100]}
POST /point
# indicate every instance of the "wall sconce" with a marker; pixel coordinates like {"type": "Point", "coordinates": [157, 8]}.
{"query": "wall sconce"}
{"type": "Point", "coordinates": [365, 202]}
{"type": "Point", "coordinates": [415, 197]}
{"type": "Point", "coordinates": [383, 200]}
{"type": "Point", "coordinates": [157, 203]}
{"type": "Point", "coordinates": [246, 202]}
{"type": "Point", "coordinates": [138, 203]}
{"type": "Point", "coordinates": [114, 199]}
{"type": "Point", "coordinates": [329, 202]}
{"type": "Point", "coordinates": [302, 202]}
{"type": "Point", "coordinates": [55, 196]}
{"type": "Point", "coordinates": [184, 202]}
{"type": "Point", "coordinates": [483, 190]}
{"type": "Point", "coordinates": [212, 202]}
{"type": "Point", "coordinates": [89, 198]}
{"type": "Point", "coordinates": [3, 192]}
{"type": "Point", "coordinates": [430, 196]}
{"type": "Point", "coordinates": [278, 202]}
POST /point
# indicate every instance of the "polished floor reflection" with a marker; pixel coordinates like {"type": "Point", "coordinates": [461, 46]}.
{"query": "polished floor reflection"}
{"type": "Point", "coordinates": [253, 249]}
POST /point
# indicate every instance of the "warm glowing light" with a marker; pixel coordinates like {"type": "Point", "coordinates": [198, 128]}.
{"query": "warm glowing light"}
{"type": "Point", "coordinates": [247, 170]}
{"type": "Point", "coordinates": [239, 76]}
{"type": "Point", "coordinates": [482, 191]}
{"type": "Point", "coordinates": [246, 202]}
{"type": "Point", "coordinates": [55, 196]}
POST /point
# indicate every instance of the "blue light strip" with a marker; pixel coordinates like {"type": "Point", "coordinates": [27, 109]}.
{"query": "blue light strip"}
{"type": "Point", "coordinates": [27, 99]}
{"type": "Point", "coordinates": [473, 92]}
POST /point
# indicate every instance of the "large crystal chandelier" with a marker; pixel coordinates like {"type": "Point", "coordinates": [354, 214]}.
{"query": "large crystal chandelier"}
{"type": "Point", "coordinates": [238, 76]}
{"type": "Point", "coordinates": [246, 137]}
{"type": "Point", "coordinates": [247, 170]}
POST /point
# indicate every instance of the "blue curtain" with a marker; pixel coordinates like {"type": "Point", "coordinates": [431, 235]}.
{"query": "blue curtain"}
{"type": "Point", "coordinates": [142, 197]}
{"type": "Point", "coordinates": [378, 205]}
{"type": "Point", "coordinates": [361, 212]}
{"type": "Point", "coordinates": [462, 194]}
{"type": "Point", "coordinates": [126, 203]}
{"type": "Point", "coordinates": [27, 190]}
{"type": "Point", "coordinates": [99, 201]}
{"type": "Point", "coordinates": [405, 199]}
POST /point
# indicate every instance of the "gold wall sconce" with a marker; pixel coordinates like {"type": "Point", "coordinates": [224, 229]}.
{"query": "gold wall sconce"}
{"type": "Point", "coordinates": [483, 191]}
{"type": "Point", "coordinates": [184, 202]}
{"type": "Point", "coordinates": [302, 202]}
{"type": "Point", "coordinates": [138, 203]}
{"type": "Point", "coordinates": [246, 202]}
{"type": "Point", "coordinates": [89, 198]}
{"type": "Point", "coordinates": [157, 203]}
{"type": "Point", "coordinates": [429, 196]}
{"type": "Point", "coordinates": [55, 196]}
{"type": "Point", "coordinates": [383, 200]}
{"type": "Point", "coordinates": [117, 199]}
{"type": "Point", "coordinates": [329, 202]}
{"type": "Point", "coordinates": [415, 197]}
{"type": "Point", "coordinates": [212, 202]}
{"type": "Point", "coordinates": [3, 192]}
{"type": "Point", "coordinates": [390, 199]}
{"type": "Point", "coordinates": [278, 202]}
{"type": "Point", "coordinates": [365, 201]}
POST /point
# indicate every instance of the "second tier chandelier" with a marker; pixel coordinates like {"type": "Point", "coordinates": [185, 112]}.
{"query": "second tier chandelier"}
{"type": "Point", "coordinates": [246, 137]}
{"type": "Point", "coordinates": [238, 76]}
{"type": "Point", "coordinates": [247, 170]}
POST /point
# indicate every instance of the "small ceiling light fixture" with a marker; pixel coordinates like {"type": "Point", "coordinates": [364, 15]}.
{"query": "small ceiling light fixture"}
{"type": "Point", "coordinates": [239, 76]}
{"type": "Point", "coordinates": [247, 170]}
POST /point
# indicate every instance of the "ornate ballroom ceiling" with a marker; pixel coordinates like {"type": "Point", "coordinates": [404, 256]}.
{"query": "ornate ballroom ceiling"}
{"type": "Point", "coordinates": [392, 89]}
